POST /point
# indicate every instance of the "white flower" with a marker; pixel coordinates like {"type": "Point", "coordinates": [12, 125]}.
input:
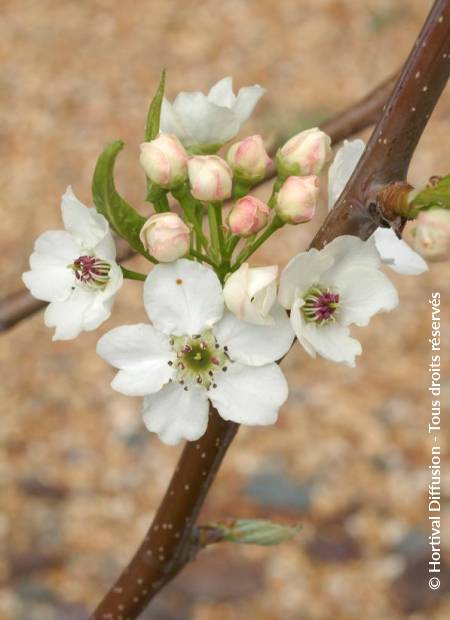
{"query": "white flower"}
{"type": "Point", "coordinates": [328, 290]}
{"type": "Point", "coordinates": [250, 293]}
{"type": "Point", "coordinates": [209, 120]}
{"type": "Point", "coordinates": [75, 270]}
{"type": "Point", "coordinates": [193, 353]}
{"type": "Point", "coordinates": [394, 252]}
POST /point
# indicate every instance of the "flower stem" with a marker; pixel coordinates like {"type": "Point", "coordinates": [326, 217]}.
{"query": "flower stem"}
{"type": "Point", "coordinates": [215, 230]}
{"type": "Point", "coordinates": [275, 225]}
{"type": "Point", "coordinates": [203, 258]}
{"type": "Point", "coordinates": [132, 275]}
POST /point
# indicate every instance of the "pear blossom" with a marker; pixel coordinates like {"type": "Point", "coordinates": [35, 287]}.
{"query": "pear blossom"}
{"type": "Point", "coordinates": [250, 293]}
{"type": "Point", "coordinates": [248, 216]}
{"type": "Point", "coordinates": [75, 270]}
{"type": "Point", "coordinates": [297, 199]}
{"type": "Point", "coordinates": [204, 123]}
{"type": "Point", "coordinates": [327, 290]}
{"type": "Point", "coordinates": [305, 153]}
{"type": "Point", "coordinates": [394, 252]}
{"type": "Point", "coordinates": [248, 159]}
{"type": "Point", "coordinates": [166, 236]}
{"type": "Point", "coordinates": [164, 161]}
{"type": "Point", "coordinates": [194, 354]}
{"type": "Point", "coordinates": [210, 178]}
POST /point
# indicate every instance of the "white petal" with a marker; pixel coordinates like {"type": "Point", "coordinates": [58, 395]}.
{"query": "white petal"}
{"type": "Point", "coordinates": [57, 246]}
{"type": "Point", "coordinates": [342, 168]}
{"type": "Point", "coordinates": [102, 300]}
{"type": "Point", "coordinates": [183, 298]}
{"type": "Point", "coordinates": [176, 414]}
{"type": "Point", "coordinates": [50, 283]}
{"type": "Point", "coordinates": [171, 123]}
{"type": "Point", "coordinates": [132, 346]}
{"type": "Point", "coordinates": [67, 316]}
{"type": "Point", "coordinates": [86, 225]}
{"type": "Point", "coordinates": [347, 253]}
{"type": "Point", "coordinates": [333, 342]}
{"type": "Point", "coordinates": [222, 93]}
{"type": "Point", "coordinates": [205, 122]}
{"type": "Point", "coordinates": [397, 254]}
{"type": "Point", "coordinates": [256, 344]}
{"type": "Point", "coordinates": [363, 293]}
{"type": "Point", "coordinates": [298, 325]}
{"type": "Point", "coordinates": [250, 395]}
{"type": "Point", "coordinates": [301, 273]}
{"type": "Point", "coordinates": [246, 100]}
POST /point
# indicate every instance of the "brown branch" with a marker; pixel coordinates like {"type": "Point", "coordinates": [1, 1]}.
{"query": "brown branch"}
{"type": "Point", "coordinates": [20, 305]}
{"type": "Point", "coordinates": [167, 545]}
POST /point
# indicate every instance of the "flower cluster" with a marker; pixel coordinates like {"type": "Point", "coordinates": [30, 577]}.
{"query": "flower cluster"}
{"type": "Point", "coordinates": [218, 326]}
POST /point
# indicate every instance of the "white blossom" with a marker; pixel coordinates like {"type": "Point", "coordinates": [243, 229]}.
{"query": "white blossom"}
{"type": "Point", "coordinates": [195, 353]}
{"type": "Point", "coordinates": [75, 270]}
{"type": "Point", "coordinates": [394, 252]}
{"type": "Point", "coordinates": [250, 293]}
{"type": "Point", "coordinates": [328, 290]}
{"type": "Point", "coordinates": [208, 121]}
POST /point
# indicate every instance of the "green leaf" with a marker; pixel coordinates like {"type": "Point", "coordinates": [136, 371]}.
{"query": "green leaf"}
{"type": "Point", "coordinates": [122, 217]}
{"type": "Point", "coordinates": [437, 195]}
{"type": "Point", "coordinates": [154, 111]}
{"type": "Point", "coordinates": [257, 532]}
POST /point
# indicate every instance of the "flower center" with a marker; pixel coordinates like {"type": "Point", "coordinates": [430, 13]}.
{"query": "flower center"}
{"type": "Point", "coordinates": [91, 271]}
{"type": "Point", "coordinates": [320, 305]}
{"type": "Point", "coordinates": [199, 359]}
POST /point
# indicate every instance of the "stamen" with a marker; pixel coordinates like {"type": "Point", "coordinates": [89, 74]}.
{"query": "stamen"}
{"type": "Point", "coordinates": [320, 305]}
{"type": "Point", "coordinates": [91, 271]}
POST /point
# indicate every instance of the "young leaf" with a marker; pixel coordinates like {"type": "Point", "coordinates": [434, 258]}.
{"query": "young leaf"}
{"type": "Point", "coordinates": [246, 531]}
{"type": "Point", "coordinates": [122, 218]}
{"type": "Point", "coordinates": [437, 195]}
{"type": "Point", "coordinates": [154, 111]}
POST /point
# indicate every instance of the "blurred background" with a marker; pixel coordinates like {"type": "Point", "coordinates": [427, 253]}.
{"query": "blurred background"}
{"type": "Point", "coordinates": [80, 477]}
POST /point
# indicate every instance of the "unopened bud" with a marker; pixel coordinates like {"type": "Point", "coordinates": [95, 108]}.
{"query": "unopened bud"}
{"type": "Point", "coordinates": [306, 153]}
{"type": "Point", "coordinates": [248, 216]}
{"type": "Point", "coordinates": [210, 178]}
{"type": "Point", "coordinates": [166, 237]}
{"type": "Point", "coordinates": [248, 159]}
{"type": "Point", "coordinates": [432, 234]}
{"type": "Point", "coordinates": [297, 199]}
{"type": "Point", "coordinates": [164, 161]}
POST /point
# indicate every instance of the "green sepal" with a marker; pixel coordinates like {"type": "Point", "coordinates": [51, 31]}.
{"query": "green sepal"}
{"type": "Point", "coordinates": [122, 217]}
{"type": "Point", "coordinates": [437, 195]}
{"type": "Point", "coordinates": [257, 532]}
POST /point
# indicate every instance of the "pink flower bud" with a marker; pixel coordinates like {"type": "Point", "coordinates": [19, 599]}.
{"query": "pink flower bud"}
{"type": "Point", "coordinates": [305, 153]}
{"type": "Point", "coordinates": [210, 177]}
{"type": "Point", "coordinates": [296, 201]}
{"type": "Point", "coordinates": [166, 237]}
{"type": "Point", "coordinates": [164, 161]}
{"type": "Point", "coordinates": [248, 159]}
{"type": "Point", "coordinates": [248, 216]}
{"type": "Point", "coordinates": [432, 234]}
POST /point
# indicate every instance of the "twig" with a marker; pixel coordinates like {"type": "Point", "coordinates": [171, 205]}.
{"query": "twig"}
{"type": "Point", "coordinates": [20, 304]}
{"type": "Point", "coordinates": [167, 546]}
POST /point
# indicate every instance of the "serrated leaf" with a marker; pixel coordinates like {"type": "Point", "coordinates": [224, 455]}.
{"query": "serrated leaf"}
{"type": "Point", "coordinates": [154, 111]}
{"type": "Point", "coordinates": [122, 217]}
{"type": "Point", "coordinates": [437, 195]}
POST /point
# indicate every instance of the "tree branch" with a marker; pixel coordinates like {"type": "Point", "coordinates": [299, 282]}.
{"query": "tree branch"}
{"type": "Point", "coordinates": [386, 159]}
{"type": "Point", "coordinates": [20, 304]}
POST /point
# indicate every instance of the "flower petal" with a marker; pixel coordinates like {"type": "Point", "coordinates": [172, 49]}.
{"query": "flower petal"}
{"type": "Point", "coordinates": [301, 273]}
{"type": "Point", "coordinates": [204, 122]}
{"type": "Point", "coordinates": [333, 342]}
{"type": "Point", "coordinates": [256, 344]}
{"type": "Point", "coordinates": [364, 292]}
{"type": "Point", "coordinates": [397, 254]}
{"type": "Point", "coordinates": [348, 252]}
{"type": "Point", "coordinates": [56, 246]}
{"type": "Point", "coordinates": [86, 225]}
{"type": "Point", "coordinates": [134, 346]}
{"type": "Point", "coordinates": [246, 100]}
{"type": "Point", "coordinates": [175, 414]}
{"type": "Point", "coordinates": [171, 123]}
{"type": "Point", "coordinates": [67, 316]}
{"type": "Point", "coordinates": [250, 395]}
{"type": "Point", "coordinates": [342, 168]}
{"type": "Point", "coordinates": [49, 283]}
{"type": "Point", "coordinates": [222, 93]}
{"type": "Point", "coordinates": [183, 298]}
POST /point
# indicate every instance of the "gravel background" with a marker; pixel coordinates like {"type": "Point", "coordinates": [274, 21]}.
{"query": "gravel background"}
{"type": "Point", "coordinates": [80, 477]}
